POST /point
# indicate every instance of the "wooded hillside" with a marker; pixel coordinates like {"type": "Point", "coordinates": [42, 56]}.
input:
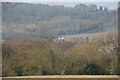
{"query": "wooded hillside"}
{"type": "Point", "coordinates": [22, 20]}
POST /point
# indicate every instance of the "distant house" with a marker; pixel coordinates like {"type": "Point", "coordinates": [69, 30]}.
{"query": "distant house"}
{"type": "Point", "coordinates": [61, 39]}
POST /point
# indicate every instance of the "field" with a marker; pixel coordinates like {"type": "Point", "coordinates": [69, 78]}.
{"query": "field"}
{"type": "Point", "coordinates": [82, 37]}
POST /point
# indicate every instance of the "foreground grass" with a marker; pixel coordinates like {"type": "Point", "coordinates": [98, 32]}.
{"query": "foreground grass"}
{"type": "Point", "coordinates": [64, 77]}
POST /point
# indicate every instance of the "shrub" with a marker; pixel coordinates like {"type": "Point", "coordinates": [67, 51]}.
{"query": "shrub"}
{"type": "Point", "coordinates": [93, 69]}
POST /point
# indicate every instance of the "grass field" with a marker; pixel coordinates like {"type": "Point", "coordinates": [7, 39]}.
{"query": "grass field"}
{"type": "Point", "coordinates": [82, 37]}
{"type": "Point", "coordinates": [63, 77]}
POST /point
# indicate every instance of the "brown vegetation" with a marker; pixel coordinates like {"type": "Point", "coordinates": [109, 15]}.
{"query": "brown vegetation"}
{"type": "Point", "coordinates": [29, 57]}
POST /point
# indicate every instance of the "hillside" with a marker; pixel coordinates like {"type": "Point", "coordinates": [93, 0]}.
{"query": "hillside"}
{"type": "Point", "coordinates": [21, 20]}
{"type": "Point", "coordinates": [84, 37]}
{"type": "Point", "coordinates": [81, 37]}
{"type": "Point", "coordinates": [40, 39]}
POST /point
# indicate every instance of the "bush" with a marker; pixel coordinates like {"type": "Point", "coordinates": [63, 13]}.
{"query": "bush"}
{"type": "Point", "coordinates": [93, 69]}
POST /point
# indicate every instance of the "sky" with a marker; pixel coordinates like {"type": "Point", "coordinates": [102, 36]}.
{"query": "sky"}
{"type": "Point", "coordinates": [61, 0]}
{"type": "Point", "coordinates": [110, 4]}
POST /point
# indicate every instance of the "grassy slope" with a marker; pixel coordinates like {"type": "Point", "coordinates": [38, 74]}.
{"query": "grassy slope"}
{"type": "Point", "coordinates": [81, 37]}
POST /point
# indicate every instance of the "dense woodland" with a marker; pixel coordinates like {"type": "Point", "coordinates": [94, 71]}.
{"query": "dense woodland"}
{"type": "Point", "coordinates": [22, 20]}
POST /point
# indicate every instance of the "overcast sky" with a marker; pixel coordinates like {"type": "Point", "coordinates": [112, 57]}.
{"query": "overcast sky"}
{"type": "Point", "coordinates": [111, 4]}
{"type": "Point", "coordinates": [60, 0]}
